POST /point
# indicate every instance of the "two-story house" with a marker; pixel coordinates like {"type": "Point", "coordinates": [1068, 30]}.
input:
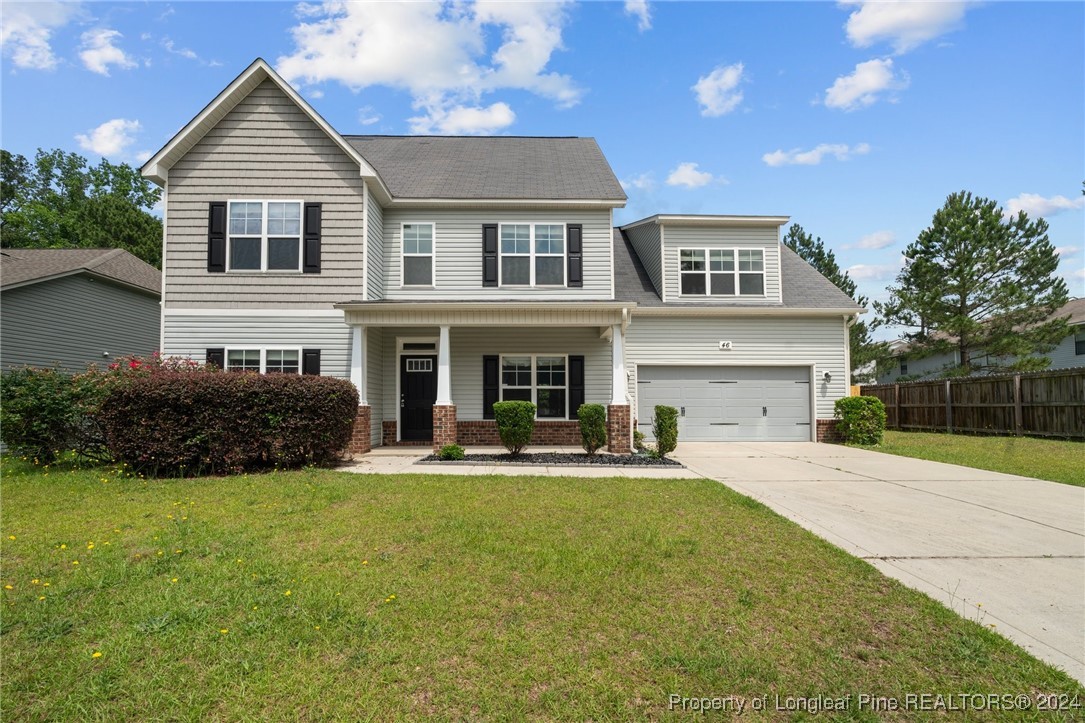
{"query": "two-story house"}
{"type": "Point", "coordinates": [443, 274]}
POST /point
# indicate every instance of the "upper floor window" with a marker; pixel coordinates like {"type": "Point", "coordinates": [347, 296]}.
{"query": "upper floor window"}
{"type": "Point", "coordinates": [417, 254]}
{"type": "Point", "coordinates": [264, 236]}
{"type": "Point", "coordinates": [722, 272]}
{"type": "Point", "coordinates": [532, 254]}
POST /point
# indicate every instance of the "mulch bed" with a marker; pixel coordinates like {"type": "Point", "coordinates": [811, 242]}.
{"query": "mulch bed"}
{"type": "Point", "coordinates": [556, 459]}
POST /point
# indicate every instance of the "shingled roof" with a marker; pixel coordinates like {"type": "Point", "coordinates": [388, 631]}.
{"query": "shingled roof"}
{"type": "Point", "coordinates": [19, 267]}
{"type": "Point", "coordinates": [803, 287]}
{"type": "Point", "coordinates": [491, 167]}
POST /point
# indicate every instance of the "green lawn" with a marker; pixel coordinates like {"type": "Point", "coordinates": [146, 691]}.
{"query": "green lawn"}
{"type": "Point", "coordinates": [316, 594]}
{"type": "Point", "coordinates": [1051, 459]}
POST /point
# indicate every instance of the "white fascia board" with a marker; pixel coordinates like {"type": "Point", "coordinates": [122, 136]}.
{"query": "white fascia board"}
{"type": "Point", "coordinates": [712, 220]}
{"type": "Point", "coordinates": [234, 312]}
{"type": "Point", "coordinates": [400, 306]}
{"type": "Point", "coordinates": [504, 203]}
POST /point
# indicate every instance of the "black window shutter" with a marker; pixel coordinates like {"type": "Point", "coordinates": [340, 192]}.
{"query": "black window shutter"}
{"type": "Point", "coordinates": [311, 240]}
{"type": "Point", "coordinates": [576, 255]}
{"type": "Point", "coordinates": [489, 254]}
{"type": "Point", "coordinates": [491, 385]}
{"type": "Point", "coordinates": [217, 357]}
{"type": "Point", "coordinates": [216, 237]}
{"type": "Point", "coordinates": [310, 361]}
{"type": "Point", "coordinates": [576, 385]}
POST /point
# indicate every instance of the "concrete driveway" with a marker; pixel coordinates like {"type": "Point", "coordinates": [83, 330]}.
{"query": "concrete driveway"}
{"type": "Point", "coordinates": [999, 549]}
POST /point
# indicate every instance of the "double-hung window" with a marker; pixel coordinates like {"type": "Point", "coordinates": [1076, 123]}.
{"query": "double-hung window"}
{"type": "Point", "coordinates": [265, 361]}
{"type": "Point", "coordinates": [721, 272]}
{"type": "Point", "coordinates": [532, 254]}
{"type": "Point", "coordinates": [542, 379]}
{"type": "Point", "coordinates": [418, 254]}
{"type": "Point", "coordinates": [264, 236]}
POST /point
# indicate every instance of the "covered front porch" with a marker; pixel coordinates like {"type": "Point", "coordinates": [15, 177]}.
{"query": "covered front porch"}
{"type": "Point", "coordinates": [428, 373]}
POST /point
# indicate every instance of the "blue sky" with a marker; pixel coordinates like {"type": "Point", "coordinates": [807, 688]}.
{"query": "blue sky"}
{"type": "Point", "coordinates": [856, 119]}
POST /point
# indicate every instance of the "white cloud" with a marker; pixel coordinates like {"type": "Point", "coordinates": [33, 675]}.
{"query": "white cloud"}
{"type": "Point", "coordinates": [27, 29]}
{"type": "Point", "coordinates": [905, 24]}
{"type": "Point", "coordinates": [109, 139]}
{"type": "Point", "coordinates": [639, 9]}
{"type": "Point", "coordinates": [365, 44]}
{"type": "Point", "coordinates": [1066, 252]}
{"type": "Point", "coordinates": [1036, 205]}
{"type": "Point", "coordinates": [142, 156]}
{"type": "Point", "coordinates": [686, 174]}
{"type": "Point", "coordinates": [464, 120]}
{"type": "Point", "coordinates": [171, 47]}
{"type": "Point", "coordinates": [98, 51]}
{"type": "Point", "coordinates": [874, 241]}
{"type": "Point", "coordinates": [717, 92]}
{"type": "Point", "coordinates": [873, 272]}
{"type": "Point", "coordinates": [864, 86]}
{"type": "Point", "coordinates": [812, 157]}
{"type": "Point", "coordinates": [643, 182]}
{"type": "Point", "coordinates": [367, 116]}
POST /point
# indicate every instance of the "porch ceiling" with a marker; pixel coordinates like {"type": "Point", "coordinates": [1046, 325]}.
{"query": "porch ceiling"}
{"type": "Point", "coordinates": [487, 313]}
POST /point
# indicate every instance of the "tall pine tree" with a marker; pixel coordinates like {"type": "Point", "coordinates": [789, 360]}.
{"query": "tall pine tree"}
{"type": "Point", "coordinates": [980, 283]}
{"type": "Point", "coordinates": [867, 355]}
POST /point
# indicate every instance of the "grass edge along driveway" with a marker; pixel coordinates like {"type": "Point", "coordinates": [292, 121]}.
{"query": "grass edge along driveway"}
{"type": "Point", "coordinates": [319, 594]}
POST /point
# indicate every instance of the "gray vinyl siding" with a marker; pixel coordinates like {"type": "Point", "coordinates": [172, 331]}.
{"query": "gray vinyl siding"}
{"type": "Point", "coordinates": [646, 240]}
{"type": "Point", "coordinates": [75, 321]}
{"type": "Point", "coordinates": [265, 148]}
{"type": "Point", "coordinates": [1063, 355]}
{"type": "Point", "coordinates": [757, 341]}
{"type": "Point", "coordinates": [458, 259]}
{"type": "Point", "coordinates": [685, 237]}
{"type": "Point", "coordinates": [469, 344]}
{"type": "Point", "coordinates": [375, 244]}
{"type": "Point", "coordinates": [192, 336]}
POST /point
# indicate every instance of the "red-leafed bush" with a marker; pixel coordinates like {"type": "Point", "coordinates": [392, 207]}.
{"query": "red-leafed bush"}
{"type": "Point", "coordinates": [180, 423]}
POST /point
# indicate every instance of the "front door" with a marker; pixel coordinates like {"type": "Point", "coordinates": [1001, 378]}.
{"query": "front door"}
{"type": "Point", "coordinates": [417, 393]}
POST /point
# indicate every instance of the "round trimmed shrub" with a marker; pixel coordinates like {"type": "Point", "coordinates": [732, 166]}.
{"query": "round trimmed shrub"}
{"type": "Point", "coordinates": [593, 426]}
{"type": "Point", "coordinates": [515, 423]}
{"type": "Point", "coordinates": [860, 420]}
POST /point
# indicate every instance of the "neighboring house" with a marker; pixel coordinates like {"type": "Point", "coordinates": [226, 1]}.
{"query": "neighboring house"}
{"type": "Point", "coordinates": [74, 307]}
{"type": "Point", "coordinates": [1068, 353]}
{"type": "Point", "coordinates": [443, 274]}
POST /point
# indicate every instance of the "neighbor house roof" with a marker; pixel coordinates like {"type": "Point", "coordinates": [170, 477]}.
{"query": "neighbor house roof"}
{"type": "Point", "coordinates": [491, 167]}
{"type": "Point", "coordinates": [803, 287]}
{"type": "Point", "coordinates": [21, 267]}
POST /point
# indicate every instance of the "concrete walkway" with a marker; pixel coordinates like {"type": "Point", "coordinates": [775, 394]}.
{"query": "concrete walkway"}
{"type": "Point", "coordinates": [1005, 551]}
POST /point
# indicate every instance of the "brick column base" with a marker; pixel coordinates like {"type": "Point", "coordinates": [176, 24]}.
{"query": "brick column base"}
{"type": "Point", "coordinates": [361, 440]}
{"type": "Point", "coordinates": [619, 429]}
{"type": "Point", "coordinates": [827, 431]}
{"type": "Point", "coordinates": [444, 425]}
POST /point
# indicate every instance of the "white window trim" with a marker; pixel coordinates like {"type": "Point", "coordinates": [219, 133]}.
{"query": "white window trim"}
{"type": "Point", "coordinates": [264, 235]}
{"type": "Point", "coordinates": [263, 355]}
{"type": "Point", "coordinates": [403, 255]}
{"type": "Point", "coordinates": [531, 255]}
{"type": "Point", "coordinates": [708, 272]}
{"type": "Point", "coordinates": [534, 381]}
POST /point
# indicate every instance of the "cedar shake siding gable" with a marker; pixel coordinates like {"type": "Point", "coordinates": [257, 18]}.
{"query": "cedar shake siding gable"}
{"type": "Point", "coordinates": [265, 148]}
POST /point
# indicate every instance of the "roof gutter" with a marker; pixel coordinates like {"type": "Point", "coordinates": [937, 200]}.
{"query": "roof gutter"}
{"type": "Point", "coordinates": [743, 311]}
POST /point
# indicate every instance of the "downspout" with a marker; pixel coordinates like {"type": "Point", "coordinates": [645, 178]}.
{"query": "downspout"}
{"type": "Point", "coordinates": [849, 322]}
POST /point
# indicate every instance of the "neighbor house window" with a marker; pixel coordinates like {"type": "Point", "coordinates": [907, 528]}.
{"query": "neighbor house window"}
{"type": "Point", "coordinates": [722, 272]}
{"type": "Point", "coordinates": [1079, 343]}
{"type": "Point", "coordinates": [264, 236]}
{"type": "Point", "coordinates": [903, 368]}
{"type": "Point", "coordinates": [418, 254]}
{"type": "Point", "coordinates": [265, 361]}
{"type": "Point", "coordinates": [532, 254]}
{"type": "Point", "coordinates": [541, 379]}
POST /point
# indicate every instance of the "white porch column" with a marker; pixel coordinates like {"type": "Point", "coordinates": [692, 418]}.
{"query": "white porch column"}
{"type": "Point", "coordinates": [618, 389]}
{"type": "Point", "coordinates": [358, 364]}
{"type": "Point", "coordinates": [444, 370]}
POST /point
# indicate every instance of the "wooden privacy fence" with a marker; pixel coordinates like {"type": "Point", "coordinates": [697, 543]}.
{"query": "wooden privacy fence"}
{"type": "Point", "coordinates": [1046, 404]}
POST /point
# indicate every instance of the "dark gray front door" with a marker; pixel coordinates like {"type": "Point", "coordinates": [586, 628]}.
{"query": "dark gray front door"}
{"type": "Point", "coordinates": [417, 393]}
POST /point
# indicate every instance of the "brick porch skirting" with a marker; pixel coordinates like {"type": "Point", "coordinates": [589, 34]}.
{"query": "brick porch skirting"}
{"type": "Point", "coordinates": [444, 425]}
{"type": "Point", "coordinates": [388, 433]}
{"type": "Point", "coordinates": [827, 431]}
{"type": "Point", "coordinates": [361, 440]}
{"type": "Point", "coordinates": [483, 433]}
{"type": "Point", "coordinates": [619, 429]}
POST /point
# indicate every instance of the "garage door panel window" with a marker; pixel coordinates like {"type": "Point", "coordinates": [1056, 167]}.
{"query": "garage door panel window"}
{"type": "Point", "coordinates": [540, 379]}
{"type": "Point", "coordinates": [722, 272]}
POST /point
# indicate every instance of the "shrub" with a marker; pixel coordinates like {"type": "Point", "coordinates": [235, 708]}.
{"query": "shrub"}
{"type": "Point", "coordinates": [638, 441]}
{"type": "Point", "coordinates": [451, 453]}
{"type": "Point", "coordinates": [860, 420]}
{"type": "Point", "coordinates": [179, 423]}
{"type": "Point", "coordinates": [593, 426]}
{"type": "Point", "coordinates": [47, 411]}
{"type": "Point", "coordinates": [515, 423]}
{"type": "Point", "coordinates": [665, 429]}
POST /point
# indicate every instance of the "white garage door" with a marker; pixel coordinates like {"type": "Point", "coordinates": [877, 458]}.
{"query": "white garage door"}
{"type": "Point", "coordinates": [768, 404]}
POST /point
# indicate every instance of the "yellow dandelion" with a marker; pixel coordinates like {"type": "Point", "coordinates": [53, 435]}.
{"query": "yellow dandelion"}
{"type": "Point", "coordinates": [255, 607]}
{"type": "Point", "coordinates": [8, 587]}
{"type": "Point", "coordinates": [63, 547]}
{"type": "Point", "coordinates": [169, 517]}
{"type": "Point", "coordinates": [287, 593]}
{"type": "Point", "coordinates": [11, 537]}
{"type": "Point", "coordinates": [160, 553]}
{"type": "Point", "coordinates": [173, 580]}
{"type": "Point", "coordinates": [35, 581]}
{"type": "Point", "coordinates": [75, 562]}
{"type": "Point", "coordinates": [177, 552]}
{"type": "Point", "coordinates": [116, 529]}
{"type": "Point", "coordinates": [96, 654]}
{"type": "Point", "coordinates": [46, 584]}
{"type": "Point", "coordinates": [239, 559]}
{"type": "Point", "coordinates": [41, 597]}
{"type": "Point", "coordinates": [316, 627]}
{"type": "Point", "coordinates": [224, 631]}
{"type": "Point", "coordinates": [365, 562]}
{"type": "Point", "coordinates": [90, 545]}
